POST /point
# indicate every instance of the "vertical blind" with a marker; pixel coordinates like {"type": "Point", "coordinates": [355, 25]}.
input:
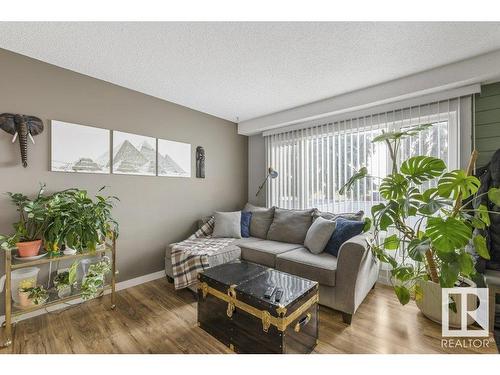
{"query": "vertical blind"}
{"type": "Point", "coordinates": [315, 162]}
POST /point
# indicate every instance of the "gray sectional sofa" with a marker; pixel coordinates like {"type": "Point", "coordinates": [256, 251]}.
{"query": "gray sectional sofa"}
{"type": "Point", "coordinates": [344, 280]}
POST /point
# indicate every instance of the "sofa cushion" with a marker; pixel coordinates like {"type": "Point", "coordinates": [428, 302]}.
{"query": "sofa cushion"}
{"type": "Point", "coordinates": [331, 216]}
{"type": "Point", "coordinates": [318, 235]}
{"type": "Point", "coordinates": [227, 224]}
{"type": "Point", "coordinates": [246, 216]}
{"type": "Point", "coordinates": [264, 252]}
{"type": "Point", "coordinates": [344, 230]}
{"type": "Point", "coordinates": [261, 220]}
{"type": "Point", "coordinates": [247, 240]}
{"type": "Point", "coordinates": [301, 262]}
{"type": "Point", "coordinates": [290, 226]}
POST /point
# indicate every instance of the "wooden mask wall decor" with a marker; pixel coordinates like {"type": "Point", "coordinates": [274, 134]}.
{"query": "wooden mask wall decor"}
{"type": "Point", "coordinates": [22, 127]}
{"type": "Point", "coordinates": [200, 162]}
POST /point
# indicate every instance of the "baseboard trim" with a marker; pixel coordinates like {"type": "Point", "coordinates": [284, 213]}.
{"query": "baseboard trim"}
{"type": "Point", "coordinates": [119, 286]}
{"type": "Point", "coordinates": [140, 280]}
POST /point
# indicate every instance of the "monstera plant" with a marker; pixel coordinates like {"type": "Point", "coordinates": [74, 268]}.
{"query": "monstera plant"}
{"type": "Point", "coordinates": [426, 221]}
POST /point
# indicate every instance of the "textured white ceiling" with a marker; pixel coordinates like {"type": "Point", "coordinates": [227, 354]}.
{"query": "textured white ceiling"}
{"type": "Point", "coordinates": [247, 70]}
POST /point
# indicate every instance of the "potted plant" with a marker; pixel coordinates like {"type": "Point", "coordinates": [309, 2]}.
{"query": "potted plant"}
{"type": "Point", "coordinates": [65, 280]}
{"type": "Point", "coordinates": [23, 294]}
{"type": "Point", "coordinates": [78, 222]}
{"type": "Point", "coordinates": [93, 281]}
{"type": "Point", "coordinates": [33, 220]}
{"type": "Point", "coordinates": [423, 226]}
{"type": "Point", "coordinates": [37, 295]}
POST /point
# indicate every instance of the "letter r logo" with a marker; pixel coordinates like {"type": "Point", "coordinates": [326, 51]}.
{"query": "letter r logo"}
{"type": "Point", "coordinates": [470, 303]}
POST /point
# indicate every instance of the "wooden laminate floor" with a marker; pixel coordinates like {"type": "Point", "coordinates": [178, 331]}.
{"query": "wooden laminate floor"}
{"type": "Point", "coordinates": [153, 318]}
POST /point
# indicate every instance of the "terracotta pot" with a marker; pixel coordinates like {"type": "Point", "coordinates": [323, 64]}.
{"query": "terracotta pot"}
{"type": "Point", "coordinates": [29, 249]}
{"type": "Point", "coordinates": [431, 301]}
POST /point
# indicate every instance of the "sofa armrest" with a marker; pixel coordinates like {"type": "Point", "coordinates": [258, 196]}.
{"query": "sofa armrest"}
{"type": "Point", "coordinates": [357, 272]}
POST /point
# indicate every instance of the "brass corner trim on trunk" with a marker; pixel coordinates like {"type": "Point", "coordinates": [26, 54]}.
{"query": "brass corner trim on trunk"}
{"type": "Point", "coordinates": [281, 310]}
{"type": "Point", "coordinates": [204, 289]}
{"type": "Point", "coordinates": [231, 305]}
{"type": "Point", "coordinates": [281, 322]}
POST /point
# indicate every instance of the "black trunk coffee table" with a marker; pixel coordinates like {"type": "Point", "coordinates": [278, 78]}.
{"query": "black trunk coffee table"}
{"type": "Point", "coordinates": [232, 308]}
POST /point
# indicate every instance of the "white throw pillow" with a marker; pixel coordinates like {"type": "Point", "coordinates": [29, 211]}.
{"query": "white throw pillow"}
{"type": "Point", "coordinates": [227, 224]}
{"type": "Point", "coordinates": [319, 234]}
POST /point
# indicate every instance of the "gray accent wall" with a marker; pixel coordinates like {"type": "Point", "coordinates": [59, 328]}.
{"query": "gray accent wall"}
{"type": "Point", "coordinates": [154, 211]}
{"type": "Point", "coordinates": [257, 169]}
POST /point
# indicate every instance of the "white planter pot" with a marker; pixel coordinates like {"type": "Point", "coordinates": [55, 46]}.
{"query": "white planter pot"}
{"type": "Point", "coordinates": [64, 292]}
{"type": "Point", "coordinates": [69, 251]}
{"type": "Point", "coordinates": [431, 302]}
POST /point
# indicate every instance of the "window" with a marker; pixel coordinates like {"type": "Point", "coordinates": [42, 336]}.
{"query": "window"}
{"type": "Point", "coordinates": [315, 162]}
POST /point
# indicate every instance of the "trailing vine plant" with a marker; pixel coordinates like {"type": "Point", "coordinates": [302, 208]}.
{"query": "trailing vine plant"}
{"type": "Point", "coordinates": [93, 281]}
{"type": "Point", "coordinates": [426, 220]}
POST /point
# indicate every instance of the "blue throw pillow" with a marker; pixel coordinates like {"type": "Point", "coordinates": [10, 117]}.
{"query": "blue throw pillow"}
{"type": "Point", "coordinates": [245, 223]}
{"type": "Point", "coordinates": [344, 230]}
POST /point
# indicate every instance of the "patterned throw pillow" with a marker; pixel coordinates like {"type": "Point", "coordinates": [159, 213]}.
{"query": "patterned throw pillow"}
{"type": "Point", "coordinates": [344, 230]}
{"type": "Point", "coordinates": [245, 223]}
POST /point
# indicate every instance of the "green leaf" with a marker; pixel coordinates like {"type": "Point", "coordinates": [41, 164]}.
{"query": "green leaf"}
{"type": "Point", "coordinates": [383, 256]}
{"type": "Point", "coordinates": [494, 196]}
{"type": "Point", "coordinates": [419, 293]}
{"type": "Point", "coordinates": [422, 168]}
{"type": "Point", "coordinates": [455, 182]}
{"type": "Point", "coordinates": [418, 247]}
{"type": "Point", "coordinates": [403, 273]}
{"type": "Point", "coordinates": [391, 242]}
{"type": "Point", "coordinates": [452, 305]}
{"type": "Point", "coordinates": [433, 206]}
{"type": "Point", "coordinates": [368, 224]}
{"type": "Point", "coordinates": [429, 194]}
{"type": "Point", "coordinates": [395, 135]}
{"type": "Point", "coordinates": [384, 214]}
{"type": "Point", "coordinates": [359, 175]}
{"type": "Point", "coordinates": [484, 216]}
{"type": "Point", "coordinates": [447, 234]}
{"type": "Point", "coordinates": [410, 203]}
{"type": "Point", "coordinates": [72, 273]}
{"type": "Point", "coordinates": [480, 246]}
{"type": "Point", "coordinates": [466, 263]}
{"type": "Point", "coordinates": [403, 294]}
{"type": "Point", "coordinates": [393, 186]}
{"type": "Point", "coordinates": [477, 223]}
{"type": "Point", "coordinates": [449, 274]}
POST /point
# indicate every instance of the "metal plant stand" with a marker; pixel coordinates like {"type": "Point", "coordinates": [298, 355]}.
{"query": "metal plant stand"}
{"type": "Point", "coordinates": [12, 312]}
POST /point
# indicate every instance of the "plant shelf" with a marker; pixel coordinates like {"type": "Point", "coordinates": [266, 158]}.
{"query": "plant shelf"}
{"type": "Point", "coordinates": [12, 310]}
{"type": "Point", "coordinates": [16, 264]}
{"type": "Point", "coordinates": [53, 300]}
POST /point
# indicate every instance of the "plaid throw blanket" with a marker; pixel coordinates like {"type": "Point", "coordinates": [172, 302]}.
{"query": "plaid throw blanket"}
{"type": "Point", "coordinates": [190, 256]}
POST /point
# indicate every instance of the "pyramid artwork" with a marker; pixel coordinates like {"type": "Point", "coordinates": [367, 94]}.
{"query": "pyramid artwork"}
{"type": "Point", "coordinates": [174, 158]}
{"type": "Point", "coordinates": [133, 154]}
{"type": "Point", "coordinates": [79, 148]}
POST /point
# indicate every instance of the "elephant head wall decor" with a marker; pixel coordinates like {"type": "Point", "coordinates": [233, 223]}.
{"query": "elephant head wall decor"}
{"type": "Point", "coordinates": [22, 127]}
